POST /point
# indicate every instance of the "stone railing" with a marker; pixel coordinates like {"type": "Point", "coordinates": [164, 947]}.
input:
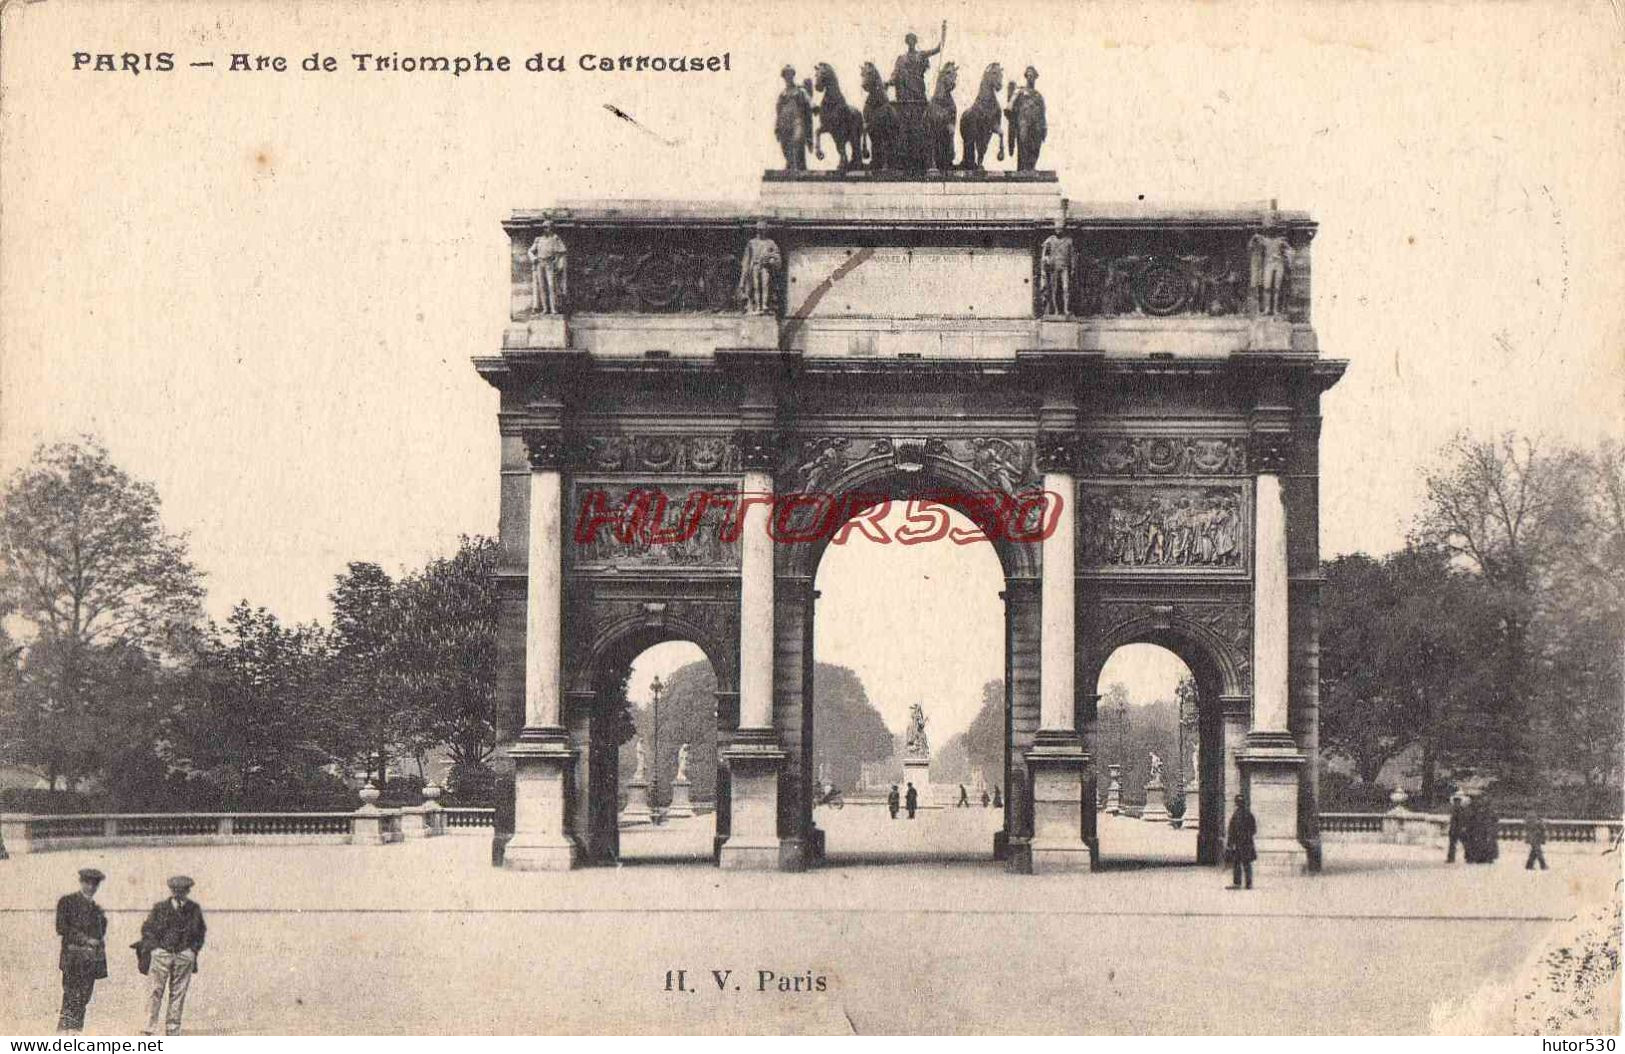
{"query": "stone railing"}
{"type": "Point", "coordinates": [464, 820]}
{"type": "Point", "coordinates": [1400, 826]}
{"type": "Point", "coordinates": [368, 825]}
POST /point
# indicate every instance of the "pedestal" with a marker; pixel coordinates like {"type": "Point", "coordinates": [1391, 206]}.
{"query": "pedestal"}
{"type": "Point", "coordinates": [1269, 767]}
{"type": "Point", "coordinates": [542, 761]}
{"type": "Point", "coordinates": [755, 762]}
{"type": "Point", "coordinates": [1191, 819]}
{"type": "Point", "coordinates": [637, 804]}
{"type": "Point", "coordinates": [681, 806]}
{"type": "Point", "coordinates": [759, 332]}
{"type": "Point", "coordinates": [1057, 764]}
{"type": "Point", "coordinates": [1269, 333]}
{"type": "Point", "coordinates": [1058, 333]}
{"type": "Point", "coordinates": [542, 333]}
{"type": "Point", "coordinates": [1156, 802]}
{"type": "Point", "coordinates": [918, 772]}
{"type": "Point", "coordinates": [1114, 790]}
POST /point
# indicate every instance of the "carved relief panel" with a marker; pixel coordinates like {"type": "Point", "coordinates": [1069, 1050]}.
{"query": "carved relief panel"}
{"type": "Point", "coordinates": [673, 525]}
{"type": "Point", "coordinates": [1172, 527]}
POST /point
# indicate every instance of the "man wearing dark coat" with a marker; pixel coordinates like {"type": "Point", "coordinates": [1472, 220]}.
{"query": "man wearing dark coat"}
{"type": "Point", "coordinates": [82, 925]}
{"type": "Point", "coordinates": [173, 936]}
{"type": "Point", "coordinates": [893, 801]}
{"type": "Point", "coordinates": [1239, 845]}
{"type": "Point", "coordinates": [1458, 812]}
{"type": "Point", "coordinates": [911, 800]}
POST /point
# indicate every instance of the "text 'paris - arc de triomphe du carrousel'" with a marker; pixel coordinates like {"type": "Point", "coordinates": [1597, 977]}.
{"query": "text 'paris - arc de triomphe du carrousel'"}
{"type": "Point", "coordinates": [1125, 398]}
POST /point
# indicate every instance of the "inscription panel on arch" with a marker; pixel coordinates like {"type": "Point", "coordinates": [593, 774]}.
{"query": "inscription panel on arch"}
{"type": "Point", "coordinates": [1186, 528]}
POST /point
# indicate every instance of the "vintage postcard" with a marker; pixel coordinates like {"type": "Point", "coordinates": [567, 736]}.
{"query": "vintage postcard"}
{"type": "Point", "coordinates": [551, 518]}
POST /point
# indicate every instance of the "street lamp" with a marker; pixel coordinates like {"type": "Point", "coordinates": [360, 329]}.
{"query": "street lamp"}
{"type": "Point", "coordinates": [654, 748]}
{"type": "Point", "coordinates": [1122, 733]}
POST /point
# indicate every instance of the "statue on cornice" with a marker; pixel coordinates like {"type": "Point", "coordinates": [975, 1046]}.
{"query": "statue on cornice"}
{"type": "Point", "coordinates": [548, 271]}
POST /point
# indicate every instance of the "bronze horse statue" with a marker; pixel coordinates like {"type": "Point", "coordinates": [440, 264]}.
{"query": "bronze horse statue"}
{"type": "Point", "coordinates": [838, 119]}
{"type": "Point", "coordinates": [940, 115]}
{"type": "Point", "coordinates": [879, 121]}
{"type": "Point", "coordinates": [982, 120]}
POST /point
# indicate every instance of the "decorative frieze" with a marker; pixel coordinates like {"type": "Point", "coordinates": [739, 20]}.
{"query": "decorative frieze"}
{"type": "Point", "coordinates": [1164, 455]}
{"type": "Point", "coordinates": [758, 449]}
{"type": "Point", "coordinates": [1058, 452]}
{"type": "Point", "coordinates": [1006, 465]}
{"type": "Point", "coordinates": [680, 454]}
{"type": "Point", "coordinates": [1163, 528]}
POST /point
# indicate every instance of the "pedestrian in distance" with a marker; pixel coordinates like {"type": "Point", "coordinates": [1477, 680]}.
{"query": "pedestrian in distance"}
{"type": "Point", "coordinates": [1458, 814]}
{"type": "Point", "coordinates": [1534, 832]}
{"type": "Point", "coordinates": [1239, 847]}
{"type": "Point", "coordinates": [893, 801]}
{"type": "Point", "coordinates": [998, 798]}
{"type": "Point", "coordinates": [964, 798]}
{"type": "Point", "coordinates": [82, 925]}
{"type": "Point", "coordinates": [984, 799]}
{"type": "Point", "coordinates": [171, 940]}
{"type": "Point", "coordinates": [911, 800]}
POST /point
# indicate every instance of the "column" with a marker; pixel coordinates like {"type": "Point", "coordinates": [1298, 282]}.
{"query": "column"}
{"type": "Point", "coordinates": [542, 756]}
{"type": "Point", "coordinates": [755, 758]}
{"type": "Point", "coordinates": [1057, 760]}
{"type": "Point", "coordinates": [1271, 763]}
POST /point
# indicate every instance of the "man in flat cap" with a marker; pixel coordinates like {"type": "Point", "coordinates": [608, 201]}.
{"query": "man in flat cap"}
{"type": "Point", "coordinates": [173, 934]}
{"type": "Point", "coordinates": [82, 925]}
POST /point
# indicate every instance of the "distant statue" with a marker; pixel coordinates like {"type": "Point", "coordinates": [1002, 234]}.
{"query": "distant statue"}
{"type": "Point", "coordinates": [682, 762]}
{"type": "Point", "coordinates": [1271, 257]}
{"type": "Point", "coordinates": [792, 123]}
{"type": "Point", "coordinates": [757, 269]}
{"type": "Point", "coordinates": [908, 72]}
{"type": "Point", "coordinates": [880, 127]}
{"type": "Point", "coordinates": [916, 745]}
{"type": "Point", "coordinates": [940, 117]}
{"type": "Point", "coordinates": [1156, 768]}
{"type": "Point", "coordinates": [838, 119]}
{"type": "Point", "coordinates": [1028, 125]}
{"type": "Point", "coordinates": [1057, 263]}
{"type": "Point", "coordinates": [982, 121]}
{"type": "Point", "coordinates": [548, 271]}
{"type": "Point", "coordinates": [640, 774]}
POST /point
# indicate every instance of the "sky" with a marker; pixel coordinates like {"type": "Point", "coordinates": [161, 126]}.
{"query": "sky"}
{"type": "Point", "coordinates": [262, 290]}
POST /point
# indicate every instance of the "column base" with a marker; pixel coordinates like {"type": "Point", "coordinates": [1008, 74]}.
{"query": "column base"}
{"type": "Point", "coordinates": [1270, 765]}
{"type": "Point", "coordinates": [541, 841]}
{"type": "Point", "coordinates": [755, 761]}
{"type": "Point", "coordinates": [1057, 763]}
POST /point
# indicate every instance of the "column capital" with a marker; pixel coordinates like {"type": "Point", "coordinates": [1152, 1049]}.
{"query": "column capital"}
{"type": "Point", "coordinates": [1269, 450]}
{"type": "Point", "coordinates": [758, 448]}
{"type": "Point", "coordinates": [545, 448]}
{"type": "Point", "coordinates": [1058, 451]}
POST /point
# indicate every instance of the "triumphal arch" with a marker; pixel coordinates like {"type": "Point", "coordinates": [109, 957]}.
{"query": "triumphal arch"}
{"type": "Point", "coordinates": [693, 396]}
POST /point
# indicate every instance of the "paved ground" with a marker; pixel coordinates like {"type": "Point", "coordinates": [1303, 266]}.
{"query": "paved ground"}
{"type": "Point", "coordinates": [911, 928]}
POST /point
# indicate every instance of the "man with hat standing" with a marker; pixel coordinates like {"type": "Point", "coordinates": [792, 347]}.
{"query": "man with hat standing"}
{"type": "Point", "coordinates": [82, 925]}
{"type": "Point", "coordinates": [173, 934]}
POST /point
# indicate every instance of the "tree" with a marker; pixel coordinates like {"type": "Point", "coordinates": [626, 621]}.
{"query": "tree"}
{"type": "Point", "coordinates": [366, 624]}
{"type": "Point", "coordinates": [443, 657]}
{"type": "Point", "coordinates": [847, 730]}
{"type": "Point", "coordinates": [1498, 506]}
{"type": "Point", "coordinates": [253, 715]}
{"type": "Point", "coordinates": [984, 739]}
{"type": "Point", "coordinates": [102, 590]}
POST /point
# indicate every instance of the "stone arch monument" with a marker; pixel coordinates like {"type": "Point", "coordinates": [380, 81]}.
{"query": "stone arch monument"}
{"type": "Point", "coordinates": [715, 386]}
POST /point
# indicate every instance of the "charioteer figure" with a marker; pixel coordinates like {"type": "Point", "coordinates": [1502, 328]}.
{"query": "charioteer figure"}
{"type": "Point", "coordinates": [908, 85]}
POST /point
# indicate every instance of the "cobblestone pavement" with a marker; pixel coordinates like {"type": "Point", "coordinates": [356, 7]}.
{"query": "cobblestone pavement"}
{"type": "Point", "coordinates": [913, 927]}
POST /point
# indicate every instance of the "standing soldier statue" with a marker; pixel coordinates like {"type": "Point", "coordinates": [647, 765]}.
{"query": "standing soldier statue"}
{"type": "Point", "coordinates": [1056, 261]}
{"type": "Point", "coordinates": [1271, 257]}
{"type": "Point", "coordinates": [548, 268]}
{"type": "Point", "coordinates": [1028, 125]}
{"type": "Point", "coordinates": [757, 271]}
{"type": "Point", "coordinates": [792, 121]}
